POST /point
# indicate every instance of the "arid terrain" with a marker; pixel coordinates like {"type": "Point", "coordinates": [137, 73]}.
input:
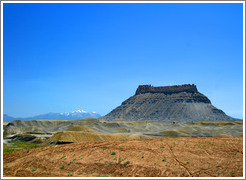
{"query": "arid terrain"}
{"type": "Point", "coordinates": [96, 148]}
{"type": "Point", "coordinates": [68, 131]}
{"type": "Point", "coordinates": [154, 157]}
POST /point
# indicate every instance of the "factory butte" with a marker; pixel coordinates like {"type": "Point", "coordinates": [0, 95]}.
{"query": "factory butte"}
{"type": "Point", "coordinates": [167, 104]}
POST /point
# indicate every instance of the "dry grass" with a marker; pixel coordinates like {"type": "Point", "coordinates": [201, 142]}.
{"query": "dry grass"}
{"type": "Point", "coordinates": [174, 133]}
{"type": "Point", "coordinates": [220, 123]}
{"type": "Point", "coordinates": [74, 136]}
{"type": "Point", "coordinates": [81, 128]}
{"type": "Point", "coordinates": [88, 120]}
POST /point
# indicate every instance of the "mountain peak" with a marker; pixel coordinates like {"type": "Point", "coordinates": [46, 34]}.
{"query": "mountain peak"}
{"type": "Point", "coordinates": [79, 111]}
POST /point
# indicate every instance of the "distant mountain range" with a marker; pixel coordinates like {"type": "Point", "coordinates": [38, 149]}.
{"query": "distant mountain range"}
{"type": "Point", "coordinates": [79, 114]}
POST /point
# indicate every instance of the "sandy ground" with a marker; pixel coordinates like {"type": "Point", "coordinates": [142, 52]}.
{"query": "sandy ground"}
{"type": "Point", "coordinates": [156, 157]}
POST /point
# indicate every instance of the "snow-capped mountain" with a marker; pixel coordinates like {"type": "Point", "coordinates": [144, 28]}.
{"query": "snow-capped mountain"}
{"type": "Point", "coordinates": [78, 114]}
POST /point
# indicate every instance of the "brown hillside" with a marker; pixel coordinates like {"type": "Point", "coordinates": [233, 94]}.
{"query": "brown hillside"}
{"type": "Point", "coordinates": [74, 136]}
{"type": "Point", "coordinates": [156, 157]}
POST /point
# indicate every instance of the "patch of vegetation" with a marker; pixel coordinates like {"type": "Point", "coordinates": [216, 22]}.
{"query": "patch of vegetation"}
{"type": "Point", "coordinates": [164, 159]}
{"type": "Point", "coordinates": [204, 147]}
{"type": "Point", "coordinates": [108, 162]}
{"type": "Point", "coordinates": [34, 169]}
{"type": "Point", "coordinates": [62, 167]}
{"type": "Point", "coordinates": [63, 156]}
{"type": "Point", "coordinates": [142, 156]}
{"type": "Point", "coordinates": [72, 161]}
{"type": "Point", "coordinates": [187, 162]}
{"type": "Point", "coordinates": [120, 160]}
{"type": "Point", "coordinates": [70, 174]}
{"type": "Point", "coordinates": [17, 146]}
{"type": "Point", "coordinates": [4, 133]}
{"type": "Point", "coordinates": [113, 153]}
{"type": "Point", "coordinates": [127, 162]}
{"type": "Point", "coordinates": [103, 176]}
{"type": "Point", "coordinates": [27, 151]}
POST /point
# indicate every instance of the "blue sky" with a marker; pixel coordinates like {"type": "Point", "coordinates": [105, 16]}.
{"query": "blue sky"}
{"type": "Point", "coordinates": [64, 57]}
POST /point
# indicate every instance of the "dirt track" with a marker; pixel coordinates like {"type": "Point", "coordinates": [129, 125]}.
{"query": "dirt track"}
{"type": "Point", "coordinates": [157, 157]}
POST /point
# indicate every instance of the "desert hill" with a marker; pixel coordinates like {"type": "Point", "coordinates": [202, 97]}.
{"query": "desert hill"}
{"type": "Point", "coordinates": [156, 157]}
{"type": "Point", "coordinates": [69, 131]}
{"type": "Point", "coordinates": [167, 104]}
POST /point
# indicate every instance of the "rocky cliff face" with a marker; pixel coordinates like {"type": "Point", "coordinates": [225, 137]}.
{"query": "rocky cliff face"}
{"type": "Point", "coordinates": [142, 89]}
{"type": "Point", "coordinates": [167, 104]}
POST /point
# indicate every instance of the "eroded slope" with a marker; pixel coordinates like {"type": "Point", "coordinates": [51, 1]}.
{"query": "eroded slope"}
{"type": "Point", "coordinates": [158, 157]}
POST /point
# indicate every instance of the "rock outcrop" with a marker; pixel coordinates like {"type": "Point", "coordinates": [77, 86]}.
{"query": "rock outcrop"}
{"type": "Point", "coordinates": [167, 104]}
{"type": "Point", "coordinates": [166, 89]}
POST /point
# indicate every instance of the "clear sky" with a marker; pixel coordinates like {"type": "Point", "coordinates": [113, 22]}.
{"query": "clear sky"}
{"type": "Point", "coordinates": [64, 57]}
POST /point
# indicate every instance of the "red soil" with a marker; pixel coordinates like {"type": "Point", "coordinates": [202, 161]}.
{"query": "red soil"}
{"type": "Point", "coordinates": [157, 157]}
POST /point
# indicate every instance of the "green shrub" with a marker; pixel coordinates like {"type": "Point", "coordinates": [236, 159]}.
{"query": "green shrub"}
{"type": "Point", "coordinates": [120, 160]}
{"type": "Point", "coordinates": [63, 156]}
{"type": "Point", "coordinates": [27, 151]}
{"type": "Point", "coordinates": [104, 176]}
{"type": "Point", "coordinates": [127, 162]}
